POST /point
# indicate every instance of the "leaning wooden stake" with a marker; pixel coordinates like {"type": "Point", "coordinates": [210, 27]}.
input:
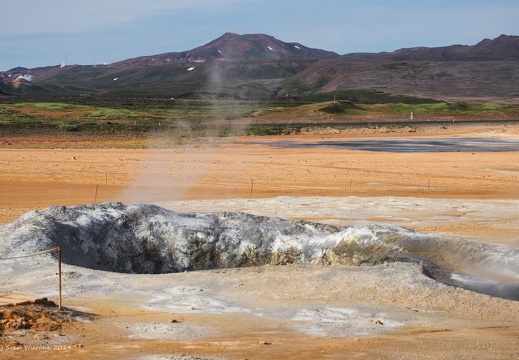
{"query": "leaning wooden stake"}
{"type": "Point", "coordinates": [58, 249]}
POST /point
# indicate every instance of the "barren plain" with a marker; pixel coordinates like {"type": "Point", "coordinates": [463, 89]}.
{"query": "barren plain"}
{"type": "Point", "coordinates": [390, 311]}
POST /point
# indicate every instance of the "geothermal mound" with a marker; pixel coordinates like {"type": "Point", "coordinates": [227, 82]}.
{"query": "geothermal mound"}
{"type": "Point", "coordinates": [149, 239]}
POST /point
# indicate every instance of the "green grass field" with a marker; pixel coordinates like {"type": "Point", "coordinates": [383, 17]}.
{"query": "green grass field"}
{"type": "Point", "coordinates": [221, 117]}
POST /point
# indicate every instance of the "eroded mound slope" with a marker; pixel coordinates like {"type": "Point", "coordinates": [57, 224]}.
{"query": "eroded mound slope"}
{"type": "Point", "coordinates": [150, 239]}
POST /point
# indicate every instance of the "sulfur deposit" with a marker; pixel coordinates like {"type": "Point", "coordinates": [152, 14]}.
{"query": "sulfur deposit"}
{"type": "Point", "coordinates": [148, 239]}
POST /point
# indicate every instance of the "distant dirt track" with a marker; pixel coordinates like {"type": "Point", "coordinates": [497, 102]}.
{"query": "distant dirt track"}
{"type": "Point", "coordinates": [357, 124]}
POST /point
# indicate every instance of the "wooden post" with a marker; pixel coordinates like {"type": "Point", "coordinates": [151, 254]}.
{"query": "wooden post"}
{"type": "Point", "coordinates": [97, 187]}
{"type": "Point", "coordinates": [59, 277]}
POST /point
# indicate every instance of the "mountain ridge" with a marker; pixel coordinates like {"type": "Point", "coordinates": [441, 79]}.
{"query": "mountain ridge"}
{"type": "Point", "coordinates": [502, 48]}
{"type": "Point", "coordinates": [231, 46]}
{"type": "Point", "coordinates": [259, 66]}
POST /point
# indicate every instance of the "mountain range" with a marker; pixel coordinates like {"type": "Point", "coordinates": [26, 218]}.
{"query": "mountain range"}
{"type": "Point", "coordinates": [259, 66]}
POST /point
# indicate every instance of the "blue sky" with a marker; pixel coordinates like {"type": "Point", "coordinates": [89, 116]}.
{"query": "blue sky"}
{"type": "Point", "coordinates": [44, 32]}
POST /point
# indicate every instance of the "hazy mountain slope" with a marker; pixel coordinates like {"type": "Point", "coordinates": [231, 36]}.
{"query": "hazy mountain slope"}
{"type": "Point", "coordinates": [487, 70]}
{"type": "Point", "coordinates": [232, 47]}
{"type": "Point", "coordinates": [260, 66]}
{"type": "Point", "coordinates": [435, 79]}
{"type": "Point", "coordinates": [502, 48]}
{"type": "Point", "coordinates": [237, 61]}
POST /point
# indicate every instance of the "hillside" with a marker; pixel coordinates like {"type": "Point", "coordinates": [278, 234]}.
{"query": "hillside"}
{"type": "Point", "coordinates": [487, 71]}
{"type": "Point", "coordinates": [502, 48]}
{"type": "Point", "coordinates": [441, 80]}
{"type": "Point", "coordinates": [231, 46]}
{"type": "Point", "coordinates": [258, 66]}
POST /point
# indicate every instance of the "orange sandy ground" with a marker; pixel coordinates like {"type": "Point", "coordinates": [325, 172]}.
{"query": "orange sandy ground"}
{"type": "Point", "coordinates": [230, 168]}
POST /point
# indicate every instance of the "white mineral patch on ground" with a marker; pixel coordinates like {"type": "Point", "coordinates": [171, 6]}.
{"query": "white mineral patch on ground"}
{"type": "Point", "coordinates": [182, 302]}
{"type": "Point", "coordinates": [163, 331]}
{"type": "Point", "coordinates": [330, 321]}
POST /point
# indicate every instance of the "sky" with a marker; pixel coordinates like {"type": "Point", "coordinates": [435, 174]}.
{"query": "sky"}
{"type": "Point", "coordinates": [36, 33]}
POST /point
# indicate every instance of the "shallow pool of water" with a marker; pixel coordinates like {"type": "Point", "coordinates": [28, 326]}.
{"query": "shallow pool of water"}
{"type": "Point", "coordinates": [411, 145]}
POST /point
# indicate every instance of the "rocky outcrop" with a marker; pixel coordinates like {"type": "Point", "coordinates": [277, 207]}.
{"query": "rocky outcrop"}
{"type": "Point", "coordinates": [149, 239]}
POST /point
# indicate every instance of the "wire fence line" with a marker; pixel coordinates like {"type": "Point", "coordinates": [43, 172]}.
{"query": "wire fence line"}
{"type": "Point", "coordinates": [58, 250]}
{"type": "Point", "coordinates": [55, 249]}
{"type": "Point", "coordinates": [50, 190]}
{"type": "Point", "coordinates": [104, 175]}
